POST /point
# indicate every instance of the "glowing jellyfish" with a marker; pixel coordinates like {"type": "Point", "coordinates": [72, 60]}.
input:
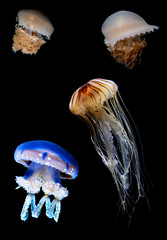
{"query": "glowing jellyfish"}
{"type": "Point", "coordinates": [97, 103]}
{"type": "Point", "coordinates": [47, 163]}
{"type": "Point", "coordinates": [123, 33]}
{"type": "Point", "coordinates": [31, 32]}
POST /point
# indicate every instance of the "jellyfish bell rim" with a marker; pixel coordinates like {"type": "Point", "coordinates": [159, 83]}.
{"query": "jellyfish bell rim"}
{"type": "Point", "coordinates": [77, 96]}
{"type": "Point", "coordinates": [36, 21]}
{"type": "Point", "coordinates": [124, 30]}
{"type": "Point", "coordinates": [48, 154]}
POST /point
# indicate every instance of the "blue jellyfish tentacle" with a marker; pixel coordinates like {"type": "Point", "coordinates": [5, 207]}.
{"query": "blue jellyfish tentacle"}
{"type": "Point", "coordinates": [37, 208]}
{"type": "Point", "coordinates": [33, 203]}
{"type": "Point", "coordinates": [57, 211]}
{"type": "Point", "coordinates": [27, 203]}
{"type": "Point", "coordinates": [49, 213]}
{"type": "Point", "coordinates": [55, 205]}
{"type": "Point", "coordinates": [50, 206]}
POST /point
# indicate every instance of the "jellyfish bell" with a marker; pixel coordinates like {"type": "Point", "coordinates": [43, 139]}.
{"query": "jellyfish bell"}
{"type": "Point", "coordinates": [123, 32]}
{"type": "Point", "coordinates": [91, 96]}
{"type": "Point", "coordinates": [47, 164]}
{"type": "Point", "coordinates": [36, 21]}
{"type": "Point", "coordinates": [31, 32]}
{"type": "Point", "coordinates": [124, 24]}
{"type": "Point", "coordinates": [97, 103]}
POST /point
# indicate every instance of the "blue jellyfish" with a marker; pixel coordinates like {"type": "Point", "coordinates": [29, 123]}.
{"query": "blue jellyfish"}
{"type": "Point", "coordinates": [47, 163]}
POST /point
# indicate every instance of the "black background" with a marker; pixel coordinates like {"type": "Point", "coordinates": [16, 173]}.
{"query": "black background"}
{"type": "Point", "coordinates": [37, 94]}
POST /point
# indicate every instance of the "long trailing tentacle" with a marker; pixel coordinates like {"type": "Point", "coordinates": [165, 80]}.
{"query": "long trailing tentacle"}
{"type": "Point", "coordinates": [115, 143]}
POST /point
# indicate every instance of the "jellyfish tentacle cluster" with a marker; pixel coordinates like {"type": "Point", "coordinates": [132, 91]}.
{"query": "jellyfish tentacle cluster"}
{"type": "Point", "coordinates": [123, 32]}
{"type": "Point", "coordinates": [48, 179]}
{"type": "Point", "coordinates": [97, 103]}
{"type": "Point", "coordinates": [128, 51]}
{"type": "Point", "coordinates": [47, 164]}
{"type": "Point", "coordinates": [52, 208]}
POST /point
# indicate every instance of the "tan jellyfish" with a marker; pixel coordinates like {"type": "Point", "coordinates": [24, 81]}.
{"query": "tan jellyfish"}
{"type": "Point", "coordinates": [97, 103]}
{"type": "Point", "coordinates": [31, 32]}
{"type": "Point", "coordinates": [123, 32]}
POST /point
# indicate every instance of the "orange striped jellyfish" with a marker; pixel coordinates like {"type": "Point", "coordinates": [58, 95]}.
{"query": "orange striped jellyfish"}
{"type": "Point", "coordinates": [123, 32]}
{"type": "Point", "coordinates": [97, 104]}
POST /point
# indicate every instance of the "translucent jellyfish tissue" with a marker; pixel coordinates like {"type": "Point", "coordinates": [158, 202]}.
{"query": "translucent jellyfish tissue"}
{"type": "Point", "coordinates": [31, 32]}
{"type": "Point", "coordinates": [123, 32]}
{"type": "Point", "coordinates": [97, 103]}
{"type": "Point", "coordinates": [47, 164]}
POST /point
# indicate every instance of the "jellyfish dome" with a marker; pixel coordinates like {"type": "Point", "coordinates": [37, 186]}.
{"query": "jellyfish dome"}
{"type": "Point", "coordinates": [47, 164]}
{"type": "Point", "coordinates": [124, 24]}
{"type": "Point", "coordinates": [92, 95]}
{"type": "Point", "coordinates": [35, 21]}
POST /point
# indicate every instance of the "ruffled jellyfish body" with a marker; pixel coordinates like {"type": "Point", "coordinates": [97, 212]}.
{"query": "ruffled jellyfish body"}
{"type": "Point", "coordinates": [47, 164]}
{"type": "Point", "coordinates": [123, 33]}
{"type": "Point", "coordinates": [97, 103]}
{"type": "Point", "coordinates": [31, 32]}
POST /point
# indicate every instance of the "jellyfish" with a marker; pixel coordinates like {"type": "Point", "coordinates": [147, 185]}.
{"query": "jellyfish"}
{"type": "Point", "coordinates": [32, 31]}
{"type": "Point", "coordinates": [123, 32]}
{"type": "Point", "coordinates": [97, 104]}
{"type": "Point", "coordinates": [47, 164]}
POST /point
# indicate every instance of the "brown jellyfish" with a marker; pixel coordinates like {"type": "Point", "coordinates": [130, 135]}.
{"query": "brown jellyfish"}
{"type": "Point", "coordinates": [123, 32]}
{"type": "Point", "coordinates": [31, 32]}
{"type": "Point", "coordinates": [97, 104]}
